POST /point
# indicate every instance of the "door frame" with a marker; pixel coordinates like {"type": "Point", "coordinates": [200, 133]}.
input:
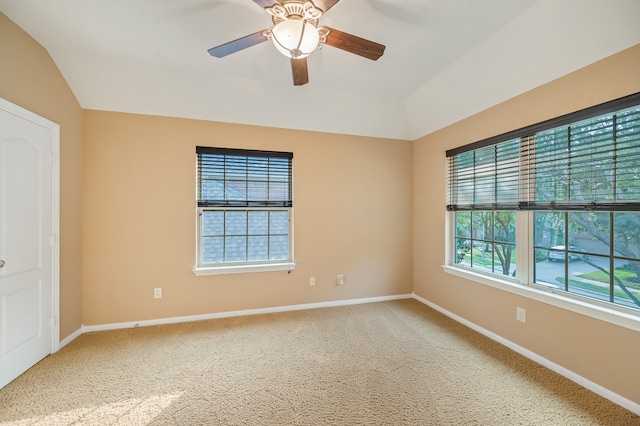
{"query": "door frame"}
{"type": "Point", "coordinates": [54, 130]}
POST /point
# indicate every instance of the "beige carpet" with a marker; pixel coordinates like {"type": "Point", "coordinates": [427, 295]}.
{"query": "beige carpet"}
{"type": "Point", "coordinates": [389, 363]}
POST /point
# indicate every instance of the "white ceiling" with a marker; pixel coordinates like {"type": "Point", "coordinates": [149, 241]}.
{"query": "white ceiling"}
{"type": "Point", "coordinates": [444, 59]}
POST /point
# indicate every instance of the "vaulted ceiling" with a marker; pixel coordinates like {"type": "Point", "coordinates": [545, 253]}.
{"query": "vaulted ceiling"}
{"type": "Point", "coordinates": [444, 59]}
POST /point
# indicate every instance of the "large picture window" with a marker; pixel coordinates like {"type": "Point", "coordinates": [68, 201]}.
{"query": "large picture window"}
{"type": "Point", "coordinates": [566, 192]}
{"type": "Point", "coordinates": [244, 208]}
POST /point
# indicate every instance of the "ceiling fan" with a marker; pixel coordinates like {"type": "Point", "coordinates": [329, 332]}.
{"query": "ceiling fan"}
{"type": "Point", "coordinates": [296, 35]}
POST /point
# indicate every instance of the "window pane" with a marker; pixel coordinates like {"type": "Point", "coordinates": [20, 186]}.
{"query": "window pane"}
{"type": "Point", "coordinates": [591, 152]}
{"type": "Point", "coordinates": [484, 182]}
{"type": "Point", "coordinates": [278, 248]}
{"type": "Point", "coordinates": [258, 248]}
{"type": "Point", "coordinates": [591, 278]}
{"type": "Point", "coordinates": [551, 165]}
{"type": "Point", "coordinates": [627, 234]}
{"type": "Point", "coordinates": [212, 223]}
{"type": "Point", "coordinates": [236, 178]}
{"type": "Point", "coordinates": [212, 189]}
{"type": "Point", "coordinates": [279, 179]}
{"type": "Point", "coordinates": [590, 232]}
{"type": "Point", "coordinates": [463, 243]}
{"type": "Point", "coordinates": [504, 261]}
{"type": "Point", "coordinates": [258, 176]}
{"type": "Point", "coordinates": [550, 248]}
{"type": "Point", "coordinates": [279, 222]}
{"type": "Point", "coordinates": [504, 226]}
{"type": "Point", "coordinates": [482, 255]}
{"type": "Point", "coordinates": [476, 246]}
{"type": "Point", "coordinates": [211, 179]}
{"type": "Point", "coordinates": [257, 191]}
{"type": "Point", "coordinates": [508, 170]}
{"type": "Point", "coordinates": [547, 271]}
{"type": "Point", "coordinates": [628, 144]}
{"type": "Point", "coordinates": [463, 251]}
{"type": "Point", "coordinates": [235, 249]}
{"type": "Point", "coordinates": [258, 222]}
{"type": "Point", "coordinates": [236, 223]}
{"type": "Point", "coordinates": [548, 229]}
{"type": "Point", "coordinates": [464, 180]}
{"type": "Point", "coordinates": [485, 256]}
{"type": "Point", "coordinates": [557, 254]}
{"type": "Point", "coordinates": [212, 249]}
{"type": "Point", "coordinates": [463, 224]}
{"type": "Point", "coordinates": [482, 225]}
{"type": "Point", "coordinates": [627, 244]}
{"type": "Point", "coordinates": [626, 284]}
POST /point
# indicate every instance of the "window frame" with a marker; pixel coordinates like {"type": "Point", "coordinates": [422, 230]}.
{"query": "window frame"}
{"type": "Point", "coordinates": [523, 283]}
{"type": "Point", "coordinates": [473, 240]}
{"type": "Point", "coordinates": [217, 268]}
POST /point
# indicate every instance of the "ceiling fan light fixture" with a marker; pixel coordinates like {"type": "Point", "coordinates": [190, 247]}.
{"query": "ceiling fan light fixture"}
{"type": "Point", "coordinates": [296, 34]}
{"type": "Point", "coordinates": [295, 38]}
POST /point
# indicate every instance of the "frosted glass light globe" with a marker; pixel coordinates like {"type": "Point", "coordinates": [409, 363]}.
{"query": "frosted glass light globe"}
{"type": "Point", "coordinates": [287, 37]}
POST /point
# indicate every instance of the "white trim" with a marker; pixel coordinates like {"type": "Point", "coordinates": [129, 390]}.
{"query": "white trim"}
{"type": "Point", "coordinates": [54, 130]}
{"type": "Point", "coordinates": [70, 338]}
{"type": "Point", "coordinates": [55, 195]}
{"type": "Point", "coordinates": [574, 377]}
{"type": "Point", "coordinates": [590, 309]}
{"type": "Point", "coordinates": [229, 314]}
{"type": "Point", "coordinates": [238, 269]}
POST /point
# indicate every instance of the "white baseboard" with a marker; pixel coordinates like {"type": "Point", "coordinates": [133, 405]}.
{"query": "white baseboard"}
{"type": "Point", "coordinates": [582, 381]}
{"type": "Point", "coordinates": [70, 338]}
{"type": "Point", "coordinates": [229, 314]}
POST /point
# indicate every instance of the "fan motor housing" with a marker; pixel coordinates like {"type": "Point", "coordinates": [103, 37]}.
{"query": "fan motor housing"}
{"type": "Point", "coordinates": [299, 10]}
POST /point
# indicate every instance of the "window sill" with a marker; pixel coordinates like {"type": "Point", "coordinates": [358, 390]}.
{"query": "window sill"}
{"type": "Point", "coordinates": [602, 313]}
{"type": "Point", "coordinates": [243, 269]}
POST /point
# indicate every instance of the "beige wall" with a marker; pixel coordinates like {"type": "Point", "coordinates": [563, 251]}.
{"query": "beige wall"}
{"type": "Point", "coordinates": [29, 78]}
{"type": "Point", "coordinates": [352, 213]}
{"type": "Point", "coordinates": [601, 352]}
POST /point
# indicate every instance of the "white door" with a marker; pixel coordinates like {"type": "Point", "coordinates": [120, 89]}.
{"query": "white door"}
{"type": "Point", "coordinates": [28, 248]}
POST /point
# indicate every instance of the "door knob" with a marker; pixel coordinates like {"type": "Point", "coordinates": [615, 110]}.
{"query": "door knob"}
{"type": "Point", "coordinates": [2, 262]}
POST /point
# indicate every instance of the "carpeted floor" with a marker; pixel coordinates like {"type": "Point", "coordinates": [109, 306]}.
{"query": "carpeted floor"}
{"type": "Point", "coordinates": [388, 363]}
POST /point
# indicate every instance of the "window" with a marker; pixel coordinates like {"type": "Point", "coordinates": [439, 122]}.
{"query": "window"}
{"type": "Point", "coordinates": [244, 208]}
{"type": "Point", "coordinates": [554, 206]}
{"type": "Point", "coordinates": [486, 193]}
{"type": "Point", "coordinates": [486, 240]}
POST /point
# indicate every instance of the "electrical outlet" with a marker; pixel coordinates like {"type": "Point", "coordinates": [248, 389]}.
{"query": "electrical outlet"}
{"type": "Point", "coordinates": [521, 314]}
{"type": "Point", "coordinates": [312, 281]}
{"type": "Point", "coordinates": [157, 293]}
{"type": "Point", "coordinates": [340, 279]}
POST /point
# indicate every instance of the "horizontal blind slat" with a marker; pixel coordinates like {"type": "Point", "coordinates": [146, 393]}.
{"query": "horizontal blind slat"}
{"type": "Point", "coordinates": [243, 178]}
{"type": "Point", "coordinates": [590, 164]}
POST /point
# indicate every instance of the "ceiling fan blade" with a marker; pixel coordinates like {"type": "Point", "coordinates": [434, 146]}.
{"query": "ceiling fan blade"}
{"type": "Point", "coordinates": [353, 44]}
{"type": "Point", "coordinates": [265, 3]}
{"type": "Point", "coordinates": [237, 45]}
{"type": "Point", "coordinates": [300, 71]}
{"type": "Point", "coordinates": [325, 5]}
